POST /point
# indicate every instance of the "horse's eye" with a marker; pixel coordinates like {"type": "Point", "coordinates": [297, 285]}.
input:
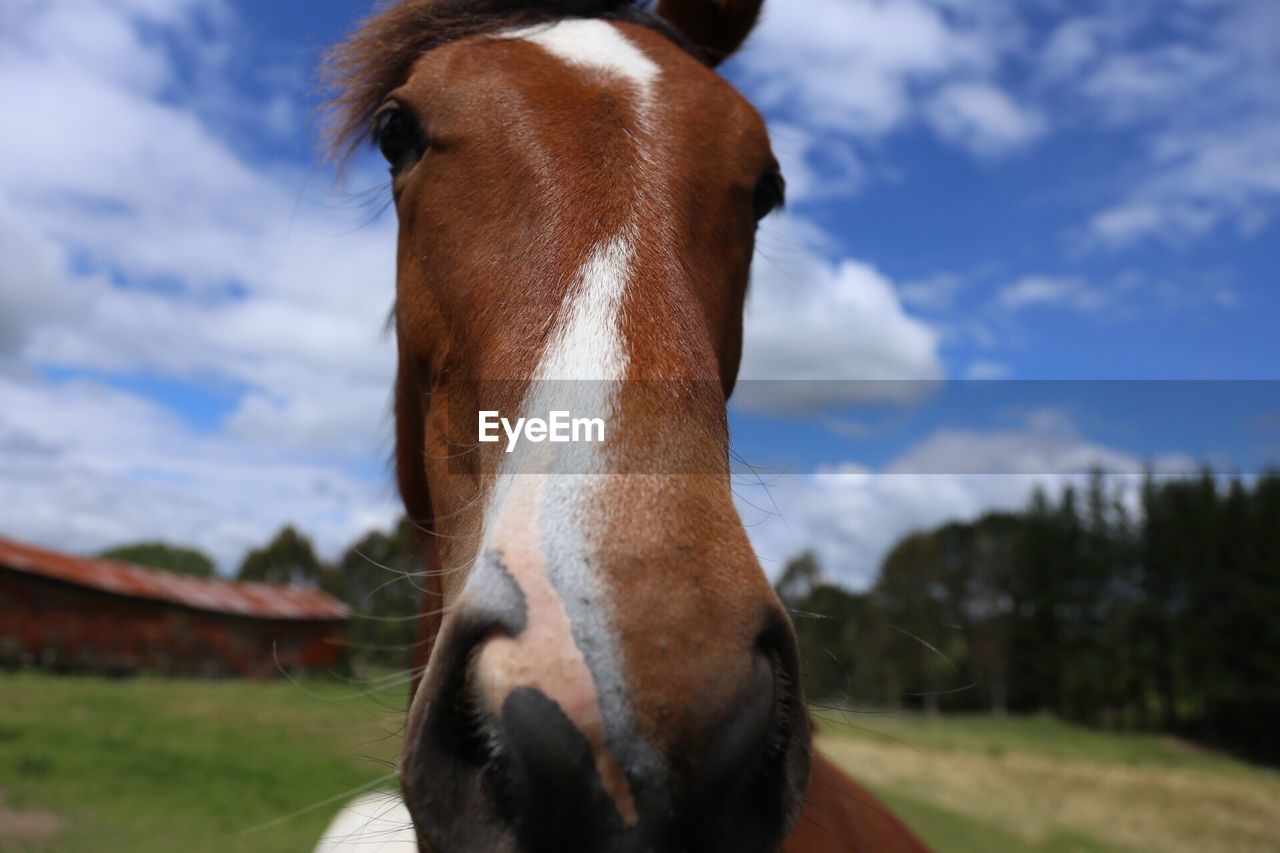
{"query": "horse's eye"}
{"type": "Point", "coordinates": [770, 193]}
{"type": "Point", "coordinates": [399, 137]}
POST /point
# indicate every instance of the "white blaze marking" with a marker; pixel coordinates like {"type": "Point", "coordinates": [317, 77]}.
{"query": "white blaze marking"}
{"type": "Point", "coordinates": [597, 45]}
{"type": "Point", "coordinates": [545, 655]}
{"type": "Point", "coordinates": [587, 342]}
{"type": "Point", "coordinates": [542, 506]}
{"type": "Point", "coordinates": [535, 524]}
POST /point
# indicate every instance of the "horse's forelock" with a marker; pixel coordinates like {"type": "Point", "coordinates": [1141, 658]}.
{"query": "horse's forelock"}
{"type": "Point", "coordinates": [378, 55]}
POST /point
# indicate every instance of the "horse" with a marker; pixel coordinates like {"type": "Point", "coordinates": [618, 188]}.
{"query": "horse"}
{"type": "Point", "coordinates": [602, 664]}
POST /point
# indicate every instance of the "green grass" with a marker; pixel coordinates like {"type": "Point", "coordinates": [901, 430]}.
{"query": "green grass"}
{"type": "Point", "coordinates": [957, 833]}
{"type": "Point", "coordinates": [981, 783]}
{"type": "Point", "coordinates": [151, 765]}
{"type": "Point", "coordinates": [144, 764]}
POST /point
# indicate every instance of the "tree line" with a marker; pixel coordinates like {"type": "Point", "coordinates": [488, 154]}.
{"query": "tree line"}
{"type": "Point", "coordinates": [1164, 617]}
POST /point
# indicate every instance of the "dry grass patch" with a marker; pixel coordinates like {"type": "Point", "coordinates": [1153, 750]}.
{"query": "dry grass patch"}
{"type": "Point", "coordinates": [1035, 796]}
{"type": "Point", "coordinates": [23, 828]}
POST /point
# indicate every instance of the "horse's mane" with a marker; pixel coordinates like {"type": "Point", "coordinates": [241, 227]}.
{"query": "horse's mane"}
{"type": "Point", "coordinates": [377, 57]}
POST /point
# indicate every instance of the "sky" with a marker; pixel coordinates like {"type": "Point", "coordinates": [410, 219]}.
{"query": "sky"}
{"type": "Point", "coordinates": [1023, 238]}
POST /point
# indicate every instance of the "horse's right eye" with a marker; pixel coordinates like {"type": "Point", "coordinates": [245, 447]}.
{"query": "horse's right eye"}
{"type": "Point", "coordinates": [770, 193]}
{"type": "Point", "coordinates": [399, 137]}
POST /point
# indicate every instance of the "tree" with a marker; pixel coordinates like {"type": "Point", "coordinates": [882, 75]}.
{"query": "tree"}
{"type": "Point", "coordinates": [1037, 588]}
{"type": "Point", "coordinates": [288, 559]}
{"type": "Point", "coordinates": [799, 577]}
{"type": "Point", "coordinates": [920, 595]}
{"type": "Point", "coordinates": [377, 578]}
{"type": "Point", "coordinates": [161, 555]}
{"type": "Point", "coordinates": [988, 605]}
{"type": "Point", "coordinates": [1163, 618]}
{"type": "Point", "coordinates": [829, 622]}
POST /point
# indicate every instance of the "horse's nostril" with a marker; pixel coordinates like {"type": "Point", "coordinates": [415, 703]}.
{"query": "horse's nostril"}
{"type": "Point", "coordinates": [553, 795]}
{"type": "Point", "coordinates": [747, 788]}
{"type": "Point", "coordinates": [745, 733]}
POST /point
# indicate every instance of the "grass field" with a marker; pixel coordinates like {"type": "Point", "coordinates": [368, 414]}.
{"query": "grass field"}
{"type": "Point", "coordinates": [984, 784]}
{"type": "Point", "coordinates": [149, 765]}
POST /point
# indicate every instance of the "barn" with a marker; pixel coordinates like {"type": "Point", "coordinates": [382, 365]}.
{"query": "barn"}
{"type": "Point", "coordinates": [76, 614]}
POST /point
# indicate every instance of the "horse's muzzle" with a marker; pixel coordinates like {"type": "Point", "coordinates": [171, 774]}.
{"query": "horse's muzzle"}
{"type": "Point", "coordinates": [529, 777]}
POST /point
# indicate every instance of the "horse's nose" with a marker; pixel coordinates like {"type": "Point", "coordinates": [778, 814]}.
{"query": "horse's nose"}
{"type": "Point", "coordinates": [527, 750]}
{"type": "Point", "coordinates": [568, 789]}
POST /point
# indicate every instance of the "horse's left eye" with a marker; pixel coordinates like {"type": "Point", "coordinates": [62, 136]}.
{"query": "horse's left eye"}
{"type": "Point", "coordinates": [399, 137]}
{"type": "Point", "coordinates": [770, 193]}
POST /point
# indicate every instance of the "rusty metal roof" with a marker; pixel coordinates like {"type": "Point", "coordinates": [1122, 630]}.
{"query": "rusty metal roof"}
{"type": "Point", "coordinates": [238, 598]}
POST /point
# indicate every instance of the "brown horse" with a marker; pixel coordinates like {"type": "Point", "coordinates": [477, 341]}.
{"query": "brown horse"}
{"type": "Point", "coordinates": [604, 665]}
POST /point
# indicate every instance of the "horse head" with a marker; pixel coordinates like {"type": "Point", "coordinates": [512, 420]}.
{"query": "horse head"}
{"type": "Point", "coordinates": [605, 666]}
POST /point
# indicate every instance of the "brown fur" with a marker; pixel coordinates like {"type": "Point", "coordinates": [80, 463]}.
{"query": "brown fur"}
{"type": "Point", "coordinates": [840, 816]}
{"type": "Point", "coordinates": [377, 57]}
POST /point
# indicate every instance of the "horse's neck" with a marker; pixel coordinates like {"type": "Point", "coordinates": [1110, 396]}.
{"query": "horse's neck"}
{"type": "Point", "coordinates": [840, 816]}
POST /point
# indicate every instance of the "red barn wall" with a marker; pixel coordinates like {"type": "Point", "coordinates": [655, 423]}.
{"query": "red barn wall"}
{"type": "Point", "coordinates": [60, 625]}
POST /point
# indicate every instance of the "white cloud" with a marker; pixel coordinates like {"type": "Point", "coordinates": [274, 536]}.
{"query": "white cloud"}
{"type": "Point", "coordinates": [1131, 86]}
{"type": "Point", "coordinates": [1193, 82]}
{"type": "Point", "coordinates": [1047, 291]}
{"type": "Point", "coordinates": [848, 65]}
{"type": "Point", "coordinates": [135, 239]}
{"type": "Point", "coordinates": [84, 466]}
{"type": "Point", "coordinates": [29, 292]}
{"type": "Point", "coordinates": [1205, 101]}
{"type": "Point", "coordinates": [1200, 179]}
{"type": "Point", "coordinates": [851, 515]}
{"type": "Point", "coordinates": [235, 271]}
{"type": "Point", "coordinates": [985, 370]}
{"type": "Point", "coordinates": [855, 327]}
{"type": "Point", "coordinates": [1047, 444]}
{"type": "Point", "coordinates": [933, 293]}
{"type": "Point", "coordinates": [104, 39]}
{"type": "Point", "coordinates": [983, 119]}
{"type": "Point", "coordinates": [815, 166]}
{"type": "Point", "coordinates": [1072, 44]}
{"type": "Point", "coordinates": [865, 68]}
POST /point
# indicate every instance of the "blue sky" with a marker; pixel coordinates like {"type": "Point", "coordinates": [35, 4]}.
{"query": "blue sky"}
{"type": "Point", "coordinates": [190, 306]}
